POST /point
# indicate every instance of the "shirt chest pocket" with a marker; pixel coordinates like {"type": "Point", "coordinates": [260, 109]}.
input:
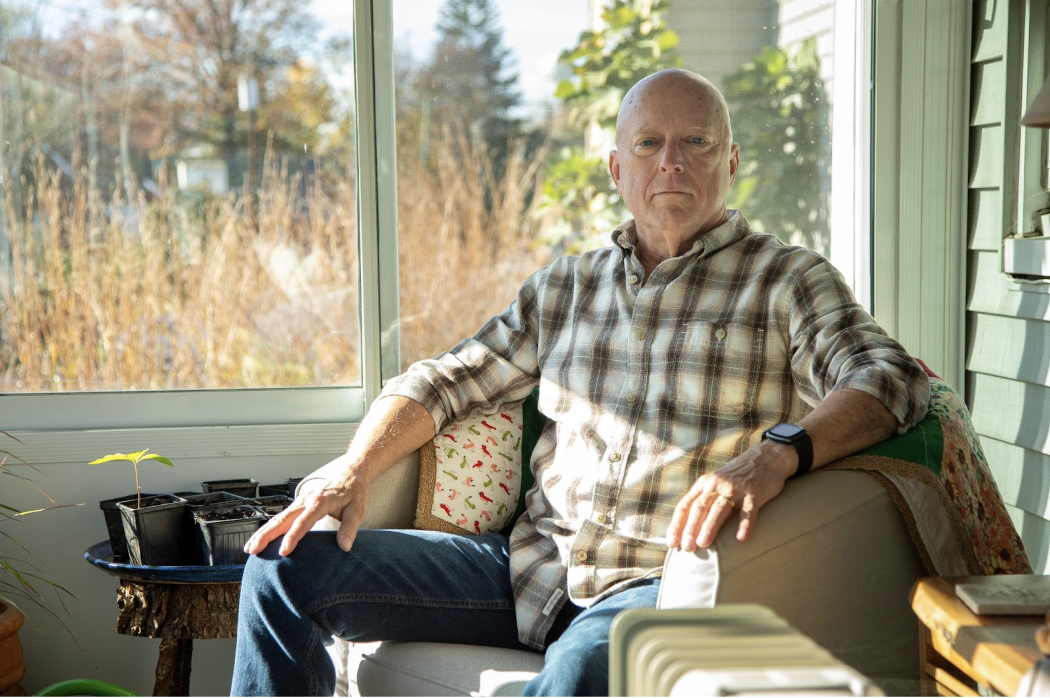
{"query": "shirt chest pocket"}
{"type": "Point", "coordinates": [713, 343]}
{"type": "Point", "coordinates": [721, 367]}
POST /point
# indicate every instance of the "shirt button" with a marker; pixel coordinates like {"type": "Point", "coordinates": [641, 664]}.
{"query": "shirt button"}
{"type": "Point", "coordinates": [632, 279]}
{"type": "Point", "coordinates": [581, 556]}
{"type": "Point", "coordinates": [601, 518]}
{"type": "Point", "coordinates": [631, 398]}
{"type": "Point", "coordinates": [614, 457]}
{"type": "Point", "coordinates": [720, 333]}
{"type": "Point", "coordinates": [639, 335]}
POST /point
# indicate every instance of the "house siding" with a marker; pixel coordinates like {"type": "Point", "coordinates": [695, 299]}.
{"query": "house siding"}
{"type": "Point", "coordinates": [1007, 324]}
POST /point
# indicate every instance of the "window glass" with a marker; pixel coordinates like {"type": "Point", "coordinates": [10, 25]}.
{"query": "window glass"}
{"type": "Point", "coordinates": [178, 195]}
{"type": "Point", "coordinates": [505, 115]}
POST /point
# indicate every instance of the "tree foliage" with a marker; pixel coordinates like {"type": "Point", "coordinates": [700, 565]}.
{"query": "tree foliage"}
{"type": "Point", "coordinates": [781, 121]}
{"type": "Point", "coordinates": [197, 50]}
{"type": "Point", "coordinates": [604, 64]}
{"type": "Point", "coordinates": [634, 42]}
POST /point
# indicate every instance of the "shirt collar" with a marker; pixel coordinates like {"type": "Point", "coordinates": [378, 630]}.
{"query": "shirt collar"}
{"type": "Point", "coordinates": [735, 228]}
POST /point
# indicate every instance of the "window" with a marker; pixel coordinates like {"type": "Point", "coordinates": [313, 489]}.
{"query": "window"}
{"type": "Point", "coordinates": [501, 146]}
{"type": "Point", "coordinates": [178, 196]}
{"type": "Point", "coordinates": [189, 227]}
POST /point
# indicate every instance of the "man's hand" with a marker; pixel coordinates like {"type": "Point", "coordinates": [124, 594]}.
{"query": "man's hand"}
{"type": "Point", "coordinates": [345, 500]}
{"type": "Point", "coordinates": [746, 483]}
{"type": "Point", "coordinates": [845, 422]}
{"type": "Point", "coordinates": [394, 427]}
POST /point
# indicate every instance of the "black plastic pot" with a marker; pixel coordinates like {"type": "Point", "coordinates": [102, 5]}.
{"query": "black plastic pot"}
{"type": "Point", "coordinates": [115, 526]}
{"type": "Point", "coordinates": [244, 487]}
{"type": "Point", "coordinates": [202, 502]}
{"type": "Point", "coordinates": [155, 532]}
{"type": "Point", "coordinates": [286, 488]}
{"type": "Point", "coordinates": [272, 505]}
{"type": "Point", "coordinates": [222, 537]}
{"type": "Point", "coordinates": [279, 489]}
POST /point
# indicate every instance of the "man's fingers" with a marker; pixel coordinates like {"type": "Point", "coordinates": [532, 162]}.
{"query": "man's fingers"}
{"type": "Point", "coordinates": [697, 513]}
{"type": "Point", "coordinates": [304, 522]}
{"type": "Point", "coordinates": [352, 517]}
{"type": "Point", "coordinates": [748, 515]}
{"type": "Point", "coordinates": [679, 519]}
{"type": "Point", "coordinates": [268, 532]}
{"type": "Point", "coordinates": [720, 509]}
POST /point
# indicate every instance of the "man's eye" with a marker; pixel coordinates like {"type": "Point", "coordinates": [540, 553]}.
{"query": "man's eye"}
{"type": "Point", "coordinates": [646, 142]}
{"type": "Point", "coordinates": [698, 140]}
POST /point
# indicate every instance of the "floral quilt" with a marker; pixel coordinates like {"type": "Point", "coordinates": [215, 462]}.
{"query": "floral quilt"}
{"type": "Point", "coordinates": [939, 477]}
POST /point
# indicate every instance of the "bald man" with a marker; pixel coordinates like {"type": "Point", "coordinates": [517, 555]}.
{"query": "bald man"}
{"type": "Point", "coordinates": [686, 372]}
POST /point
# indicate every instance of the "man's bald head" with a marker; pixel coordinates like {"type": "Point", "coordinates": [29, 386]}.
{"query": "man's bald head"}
{"type": "Point", "coordinates": [692, 87]}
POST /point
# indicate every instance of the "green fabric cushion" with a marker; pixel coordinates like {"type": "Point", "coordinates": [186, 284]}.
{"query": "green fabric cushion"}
{"type": "Point", "coordinates": [532, 423]}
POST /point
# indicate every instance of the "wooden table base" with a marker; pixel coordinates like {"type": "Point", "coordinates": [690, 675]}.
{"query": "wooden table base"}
{"type": "Point", "coordinates": [173, 668]}
{"type": "Point", "coordinates": [178, 614]}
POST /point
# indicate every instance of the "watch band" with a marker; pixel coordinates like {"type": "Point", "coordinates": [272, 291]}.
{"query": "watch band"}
{"type": "Point", "coordinates": [800, 440]}
{"type": "Point", "coordinates": [804, 446]}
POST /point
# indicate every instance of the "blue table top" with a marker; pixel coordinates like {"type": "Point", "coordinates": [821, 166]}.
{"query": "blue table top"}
{"type": "Point", "coordinates": [100, 555]}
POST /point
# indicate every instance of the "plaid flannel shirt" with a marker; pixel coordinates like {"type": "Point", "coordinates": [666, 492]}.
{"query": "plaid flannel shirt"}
{"type": "Point", "coordinates": [647, 387]}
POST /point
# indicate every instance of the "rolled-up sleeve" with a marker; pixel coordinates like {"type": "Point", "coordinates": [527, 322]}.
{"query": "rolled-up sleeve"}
{"type": "Point", "coordinates": [836, 344]}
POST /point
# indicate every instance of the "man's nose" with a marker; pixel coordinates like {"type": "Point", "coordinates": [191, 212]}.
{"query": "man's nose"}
{"type": "Point", "coordinates": [671, 158]}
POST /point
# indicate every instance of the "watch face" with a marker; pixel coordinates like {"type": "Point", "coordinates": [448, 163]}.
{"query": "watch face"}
{"type": "Point", "coordinates": [789, 432]}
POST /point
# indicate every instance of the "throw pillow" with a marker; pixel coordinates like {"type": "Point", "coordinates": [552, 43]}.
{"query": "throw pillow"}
{"type": "Point", "coordinates": [470, 476]}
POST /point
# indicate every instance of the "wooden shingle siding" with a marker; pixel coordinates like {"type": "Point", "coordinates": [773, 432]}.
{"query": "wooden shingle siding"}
{"type": "Point", "coordinates": [991, 291]}
{"type": "Point", "coordinates": [1010, 347]}
{"type": "Point", "coordinates": [989, 29]}
{"type": "Point", "coordinates": [1008, 323]}
{"type": "Point", "coordinates": [986, 156]}
{"type": "Point", "coordinates": [1012, 411]}
{"type": "Point", "coordinates": [1022, 476]}
{"type": "Point", "coordinates": [985, 213]}
{"type": "Point", "coordinates": [987, 95]}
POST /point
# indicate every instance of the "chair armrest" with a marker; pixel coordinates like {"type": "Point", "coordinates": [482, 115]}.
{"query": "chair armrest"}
{"type": "Point", "coordinates": [392, 503]}
{"type": "Point", "coordinates": [832, 555]}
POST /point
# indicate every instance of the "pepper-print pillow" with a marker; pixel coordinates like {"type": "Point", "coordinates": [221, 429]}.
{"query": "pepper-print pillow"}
{"type": "Point", "coordinates": [470, 475]}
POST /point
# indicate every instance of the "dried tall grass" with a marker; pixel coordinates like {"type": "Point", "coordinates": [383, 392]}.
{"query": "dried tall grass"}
{"type": "Point", "coordinates": [179, 292]}
{"type": "Point", "coordinates": [467, 239]}
{"type": "Point", "coordinates": [125, 293]}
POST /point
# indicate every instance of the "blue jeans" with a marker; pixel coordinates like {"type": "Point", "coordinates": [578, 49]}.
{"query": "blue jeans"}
{"type": "Point", "coordinates": [408, 586]}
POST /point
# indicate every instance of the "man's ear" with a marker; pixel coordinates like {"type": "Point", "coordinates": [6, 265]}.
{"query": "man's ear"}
{"type": "Point", "coordinates": [614, 168]}
{"type": "Point", "coordinates": [734, 162]}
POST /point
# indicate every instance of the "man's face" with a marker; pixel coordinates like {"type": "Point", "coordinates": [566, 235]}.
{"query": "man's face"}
{"type": "Point", "coordinates": [674, 163]}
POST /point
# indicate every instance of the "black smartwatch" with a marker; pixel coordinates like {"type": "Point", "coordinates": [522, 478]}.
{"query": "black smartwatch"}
{"type": "Point", "coordinates": [796, 436]}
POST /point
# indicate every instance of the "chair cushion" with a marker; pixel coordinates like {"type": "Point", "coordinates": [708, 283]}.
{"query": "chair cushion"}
{"type": "Point", "coordinates": [436, 669]}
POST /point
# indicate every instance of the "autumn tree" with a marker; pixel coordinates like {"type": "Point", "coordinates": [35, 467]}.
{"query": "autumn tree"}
{"type": "Point", "coordinates": [197, 49]}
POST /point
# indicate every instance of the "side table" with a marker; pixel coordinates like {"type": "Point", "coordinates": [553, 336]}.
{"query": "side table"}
{"type": "Point", "coordinates": [962, 653]}
{"type": "Point", "coordinates": [176, 604]}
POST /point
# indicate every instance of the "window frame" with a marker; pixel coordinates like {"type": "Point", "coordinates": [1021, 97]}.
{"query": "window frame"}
{"type": "Point", "coordinates": [378, 260]}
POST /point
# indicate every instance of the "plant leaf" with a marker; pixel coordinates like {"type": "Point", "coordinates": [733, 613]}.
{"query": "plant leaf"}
{"type": "Point", "coordinates": [162, 459]}
{"type": "Point", "coordinates": [113, 457]}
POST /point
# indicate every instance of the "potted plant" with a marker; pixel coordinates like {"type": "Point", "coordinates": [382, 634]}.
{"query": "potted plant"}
{"type": "Point", "coordinates": [21, 580]}
{"type": "Point", "coordinates": [152, 524]}
{"type": "Point", "coordinates": [223, 530]}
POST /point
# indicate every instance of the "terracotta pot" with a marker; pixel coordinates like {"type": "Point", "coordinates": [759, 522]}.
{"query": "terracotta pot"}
{"type": "Point", "coordinates": [11, 667]}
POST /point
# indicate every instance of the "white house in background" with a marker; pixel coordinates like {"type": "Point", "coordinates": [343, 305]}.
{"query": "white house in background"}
{"type": "Point", "coordinates": [195, 168]}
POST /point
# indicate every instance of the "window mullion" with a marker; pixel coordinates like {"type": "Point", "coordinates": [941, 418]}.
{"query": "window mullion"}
{"type": "Point", "coordinates": [386, 179]}
{"type": "Point", "coordinates": [368, 198]}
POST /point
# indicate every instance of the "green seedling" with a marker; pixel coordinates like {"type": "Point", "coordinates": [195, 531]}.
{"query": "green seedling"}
{"type": "Point", "coordinates": [134, 459]}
